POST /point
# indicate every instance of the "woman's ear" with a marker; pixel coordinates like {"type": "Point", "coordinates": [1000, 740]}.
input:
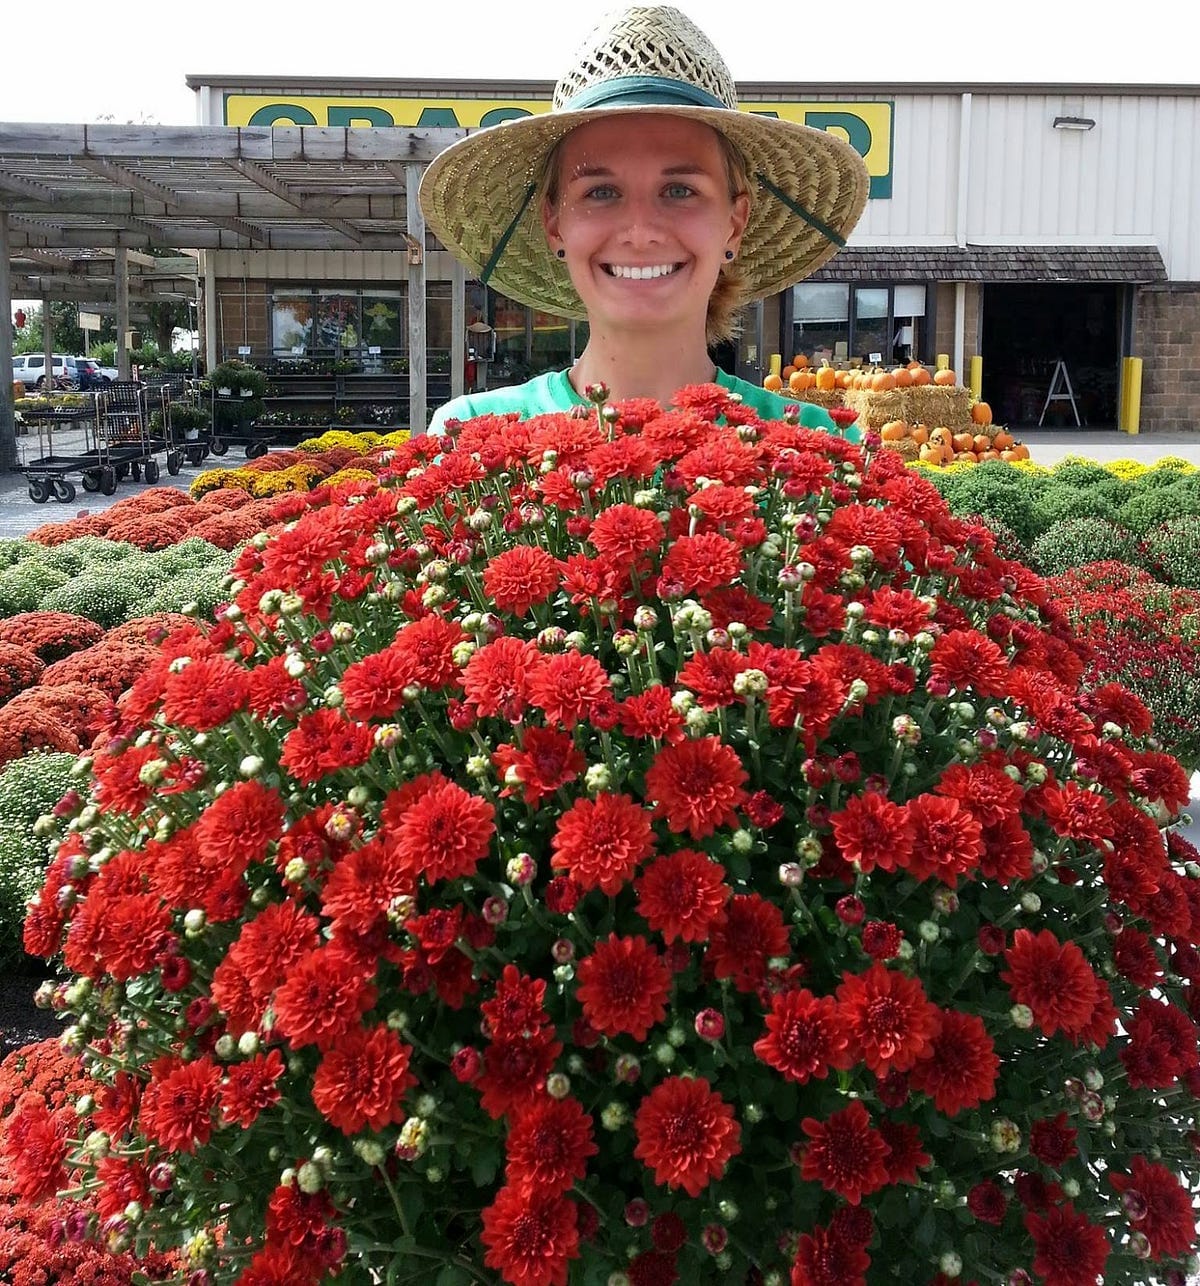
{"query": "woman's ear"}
{"type": "Point", "coordinates": [550, 222]}
{"type": "Point", "coordinates": [739, 217]}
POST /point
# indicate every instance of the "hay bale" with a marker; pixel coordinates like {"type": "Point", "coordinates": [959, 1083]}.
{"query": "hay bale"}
{"type": "Point", "coordinates": [828, 398]}
{"type": "Point", "coordinates": [938, 405]}
{"type": "Point", "coordinates": [904, 447]}
{"type": "Point", "coordinates": [877, 409]}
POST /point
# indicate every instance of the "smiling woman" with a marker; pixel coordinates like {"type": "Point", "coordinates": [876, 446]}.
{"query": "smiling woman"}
{"type": "Point", "coordinates": [646, 203]}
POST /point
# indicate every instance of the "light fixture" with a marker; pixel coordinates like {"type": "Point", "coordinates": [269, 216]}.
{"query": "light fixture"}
{"type": "Point", "coordinates": [1074, 122]}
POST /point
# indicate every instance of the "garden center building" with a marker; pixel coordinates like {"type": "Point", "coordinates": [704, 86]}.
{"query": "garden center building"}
{"type": "Point", "coordinates": [1050, 230]}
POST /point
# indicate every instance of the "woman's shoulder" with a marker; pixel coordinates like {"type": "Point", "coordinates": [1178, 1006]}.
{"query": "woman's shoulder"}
{"type": "Point", "coordinates": [771, 406]}
{"type": "Point", "coordinates": [550, 391]}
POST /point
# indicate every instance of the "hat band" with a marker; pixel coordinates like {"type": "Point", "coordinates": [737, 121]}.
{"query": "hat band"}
{"type": "Point", "coordinates": [642, 91]}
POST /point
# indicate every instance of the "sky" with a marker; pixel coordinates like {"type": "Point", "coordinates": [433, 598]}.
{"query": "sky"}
{"type": "Point", "coordinates": [127, 62]}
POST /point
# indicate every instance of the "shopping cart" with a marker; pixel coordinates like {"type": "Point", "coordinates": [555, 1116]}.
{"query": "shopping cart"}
{"type": "Point", "coordinates": [123, 429]}
{"type": "Point", "coordinates": [69, 441]}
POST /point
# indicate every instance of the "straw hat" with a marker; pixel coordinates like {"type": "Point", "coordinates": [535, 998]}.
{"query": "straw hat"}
{"type": "Point", "coordinates": [478, 196]}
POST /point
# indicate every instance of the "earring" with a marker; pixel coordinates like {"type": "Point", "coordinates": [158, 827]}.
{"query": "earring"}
{"type": "Point", "coordinates": [562, 254]}
{"type": "Point", "coordinates": [728, 254]}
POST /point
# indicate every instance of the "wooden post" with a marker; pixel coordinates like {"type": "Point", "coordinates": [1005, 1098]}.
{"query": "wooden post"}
{"type": "Point", "coordinates": [121, 264]}
{"type": "Point", "coordinates": [418, 421]}
{"type": "Point", "coordinates": [48, 348]}
{"type": "Point", "coordinates": [458, 327]}
{"type": "Point", "coordinates": [211, 320]}
{"type": "Point", "coordinates": [8, 426]}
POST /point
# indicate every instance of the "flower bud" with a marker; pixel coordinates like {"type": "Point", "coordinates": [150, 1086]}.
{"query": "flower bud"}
{"type": "Point", "coordinates": [370, 1150]}
{"type": "Point", "coordinates": [520, 870]}
{"type": "Point", "coordinates": [710, 1024]}
{"type": "Point", "coordinates": [558, 1085]}
{"type": "Point", "coordinates": [1021, 1016]}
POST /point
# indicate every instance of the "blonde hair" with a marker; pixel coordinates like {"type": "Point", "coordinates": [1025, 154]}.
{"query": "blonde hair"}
{"type": "Point", "coordinates": [723, 319]}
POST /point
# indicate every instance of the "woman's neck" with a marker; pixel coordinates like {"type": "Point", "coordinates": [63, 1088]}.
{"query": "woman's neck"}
{"type": "Point", "coordinates": [642, 366]}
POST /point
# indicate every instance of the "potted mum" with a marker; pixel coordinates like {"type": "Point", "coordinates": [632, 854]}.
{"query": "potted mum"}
{"type": "Point", "coordinates": [624, 849]}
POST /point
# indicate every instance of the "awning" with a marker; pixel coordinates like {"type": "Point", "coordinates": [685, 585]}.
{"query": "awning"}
{"type": "Point", "coordinates": [1050, 264]}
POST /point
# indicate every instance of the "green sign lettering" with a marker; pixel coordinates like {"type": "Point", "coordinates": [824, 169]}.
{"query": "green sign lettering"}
{"type": "Point", "coordinates": [857, 131]}
{"type": "Point", "coordinates": [437, 118]}
{"type": "Point", "coordinates": [360, 116]}
{"type": "Point", "coordinates": [498, 114]}
{"type": "Point", "coordinates": [283, 114]}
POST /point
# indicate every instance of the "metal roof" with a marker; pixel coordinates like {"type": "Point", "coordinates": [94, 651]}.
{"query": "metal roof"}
{"type": "Point", "coordinates": [75, 193]}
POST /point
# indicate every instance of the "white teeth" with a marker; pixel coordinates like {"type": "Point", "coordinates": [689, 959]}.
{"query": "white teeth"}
{"type": "Point", "coordinates": [641, 274]}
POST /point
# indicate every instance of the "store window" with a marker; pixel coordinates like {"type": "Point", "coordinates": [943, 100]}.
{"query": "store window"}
{"type": "Point", "coordinates": [821, 320]}
{"type": "Point", "coordinates": [291, 323]}
{"type": "Point", "coordinates": [385, 322]}
{"type": "Point", "coordinates": [872, 334]}
{"type": "Point", "coordinates": [337, 328]}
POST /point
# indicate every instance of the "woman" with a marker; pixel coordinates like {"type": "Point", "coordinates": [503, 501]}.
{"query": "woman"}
{"type": "Point", "coordinates": [646, 203]}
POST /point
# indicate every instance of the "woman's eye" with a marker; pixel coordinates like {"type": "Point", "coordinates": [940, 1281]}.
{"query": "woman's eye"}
{"type": "Point", "coordinates": [675, 190]}
{"type": "Point", "coordinates": [602, 192]}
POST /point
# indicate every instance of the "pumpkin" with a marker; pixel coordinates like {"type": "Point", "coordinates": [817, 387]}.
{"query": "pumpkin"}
{"type": "Point", "coordinates": [964, 442]}
{"type": "Point", "coordinates": [981, 414]}
{"type": "Point", "coordinates": [920, 377]}
{"type": "Point", "coordinates": [787, 373]}
{"type": "Point", "coordinates": [842, 379]}
{"type": "Point", "coordinates": [931, 454]}
{"type": "Point", "coordinates": [774, 383]}
{"type": "Point", "coordinates": [799, 381]}
{"type": "Point", "coordinates": [919, 434]}
{"type": "Point", "coordinates": [800, 361]}
{"type": "Point", "coordinates": [18, 390]}
{"type": "Point", "coordinates": [1002, 441]}
{"type": "Point", "coordinates": [827, 379]}
{"type": "Point", "coordinates": [894, 430]}
{"type": "Point", "coordinates": [946, 378]}
{"type": "Point", "coordinates": [903, 377]}
{"type": "Point", "coordinates": [883, 382]}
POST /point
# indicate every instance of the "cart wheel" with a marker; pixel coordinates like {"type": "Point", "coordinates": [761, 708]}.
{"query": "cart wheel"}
{"type": "Point", "coordinates": [174, 463]}
{"type": "Point", "coordinates": [91, 480]}
{"type": "Point", "coordinates": [39, 490]}
{"type": "Point", "coordinates": [195, 455]}
{"type": "Point", "coordinates": [255, 449]}
{"type": "Point", "coordinates": [152, 471]}
{"type": "Point", "coordinates": [122, 472]}
{"type": "Point", "coordinates": [136, 470]}
{"type": "Point", "coordinates": [219, 446]}
{"type": "Point", "coordinates": [63, 490]}
{"type": "Point", "coordinates": [108, 481]}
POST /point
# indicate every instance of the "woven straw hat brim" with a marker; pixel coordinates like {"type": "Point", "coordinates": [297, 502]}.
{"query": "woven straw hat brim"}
{"type": "Point", "coordinates": [471, 192]}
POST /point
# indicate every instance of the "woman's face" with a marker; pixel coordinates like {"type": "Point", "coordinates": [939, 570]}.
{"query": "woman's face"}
{"type": "Point", "coordinates": [644, 214]}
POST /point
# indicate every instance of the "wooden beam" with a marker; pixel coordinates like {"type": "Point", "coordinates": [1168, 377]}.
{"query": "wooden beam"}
{"type": "Point", "coordinates": [268, 182]}
{"type": "Point", "coordinates": [124, 177]}
{"type": "Point", "coordinates": [214, 202]}
{"type": "Point", "coordinates": [8, 426]}
{"type": "Point", "coordinates": [24, 187]}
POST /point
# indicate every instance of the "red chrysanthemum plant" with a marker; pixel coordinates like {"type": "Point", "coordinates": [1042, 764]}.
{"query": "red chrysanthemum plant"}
{"type": "Point", "coordinates": [637, 847]}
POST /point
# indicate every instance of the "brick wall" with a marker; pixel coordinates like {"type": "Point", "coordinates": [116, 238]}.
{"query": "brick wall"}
{"type": "Point", "coordinates": [242, 318]}
{"type": "Point", "coordinates": [1166, 332]}
{"type": "Point", "coordinates": [944, 334]}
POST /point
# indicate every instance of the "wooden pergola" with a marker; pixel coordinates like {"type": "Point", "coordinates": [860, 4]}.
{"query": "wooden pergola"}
{"type": "Point", "coordinates": [80, 205]}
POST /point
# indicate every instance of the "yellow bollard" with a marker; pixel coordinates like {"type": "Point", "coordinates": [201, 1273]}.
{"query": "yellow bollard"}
{"type": "Point", "coordinates": [976, 378]}
{"type": "Point", "coordinates": [1131, 395]}
{"type": "Point", "coordinates": [776, 363]}
{"type": "Point", "coordinates": [943, 362]}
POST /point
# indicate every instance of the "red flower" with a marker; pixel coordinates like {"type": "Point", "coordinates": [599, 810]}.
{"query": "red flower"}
{"type": "Point", "coordinates": [1054, 979]}
{"type": "Point", "coordinates": [651, 714]}
{"type": "Point", "coordinates": [134, 930]}
{"type": "Point", "coordinates": [686, 1133]}
{"type": "Point", "coordinates": [323, 742]}
{"type": "Point", "coordinates": [961, 1068]}
{"type": "Point", "coordinates": [990, 793]}
{"type": "Point", "coordinates": [624, 533]}
{"type": "Point", "coordinates": [704, 562]}
{"type": "Point", "coordinates": [682, 894]}
{"type": "Point", "coordinates": [735, 603]}
{"type": "Point", "coordinates": [566, 687]}
{"type": "Point", "coordinates": [889, 1018]}
{"type": "Point", "coordinates": [547, 760]}
{"type": "Point", "coordinates": [206, 693]}
{"type": "Point", "coordinates": [905, 1153]}
{"type": "Point", "coordinates": [516, 1008]}
{"type": "Point", "coordinates": [516, 579]}
{"type": "Point", "coordinates": [548, 1146]}
{"type": "Point", "coordinates": [947, 839]}
{"type": "Point", "coordinates": [250, 1088]}
{"type": "Point", "coordinates": [373, 686]}
{"type": "Point", "coordinates": [623, 987]}
{"type": "Point", "coordinates": [601, 841]}
{"type": "Point", "coordinates": [805, 1036]}
{"type": "Point", "coordinates": [823, 1258]}
{"type": "Point", "coordinates": [324, 996]}
{"type": "Point", "coordinates": [653, 1268]}
{"type": "Point", "coordinates": [362, 887]}
{"type": "Point", "coordinates": [750, 933]}
{"type": "Point", "coordinates": [1070, 1250]}
{"type": "Point", "coordinates": [987, 1202]}
{"type": "Point", "coordinates": [1075, 813]}
{"type": "Point", "coordinates": [515, 1072]}
{"type": "Point", "coordinates": [846, 1154]}
{"type": "Point", "coordinates": [177, 1105]}
{"type": "Point", "coordinates": [445, 833]}
{"type": "Point", "coordinates": [697, 785]}
{"type": "Point", "coordinates": [35, 1147]}
{"type": "Point", "coordinates": [873, 831]}
{"type": "Point", "coordinates": [710, 676]}
{"type": "Point", "coordinates": [361, 1082]}
{"type": "Point", "coordinates": [1159, 1206]}
{"type": "Point", "coordinates": [1162, 1045]}
{"type": "Point", "coordinates": [496, 678]}
{"type": "Point", "coordinates": [239, 825]}
{"type": "Point", "coordinates": [530, 1238]}
{"type": "Point", "coordinates": [966, 659]}
{"type": "Point", "coordinates": [428, 647]}
{"type": "Point", "coordinates": [1052, 1141]}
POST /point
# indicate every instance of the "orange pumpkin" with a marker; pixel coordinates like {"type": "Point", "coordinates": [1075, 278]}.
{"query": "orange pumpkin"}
{"type": "Point", "coordinates": [1009, 455]}
{"type": "Point", "coordinates": [945, 378]}
{"type": "Point", "coordinates": [903, 377]}
{"type": "Point", "coordinates": [920, 377]}
{"type": "Point", "coordinates": [800, 361]}
{"type": "Point", "coordinates": [799, 381]}
{"type": "Point", "coordinates": [883, 382]}
{"type": "Point", "coordinates": [773, 382]}
{"type": "Point", "coordinates": [894, 430]}
{"type": "Point", "coordinates": [929, 454]}
{"type": "Point", "coordinates": [787, 373]}
{"type": "Point", "coordinates": [981, 414]}
{"type": "Point", "coordinates": [826, 379]}
{"type": "Point", "coordinates": [964, 442]}
{"type": "Point", "coordinates": [1020, 450]}
{"type": "Point", "coordinates": [1002, 441]}
{"type": "Point", "coordinates": [919, 434]}
{"type": "Point", "coordinates": [843, 379]}
{"type": "Point", "coordinates": [989, 455]}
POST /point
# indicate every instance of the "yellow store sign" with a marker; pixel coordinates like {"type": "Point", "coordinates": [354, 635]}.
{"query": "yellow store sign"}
{"type": "Point", "coordinates": [867, 127]}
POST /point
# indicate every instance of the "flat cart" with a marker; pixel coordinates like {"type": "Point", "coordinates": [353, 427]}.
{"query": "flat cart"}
{"type": "Point", "coordinates": [231, 426]}
{"type": "Point", "coordinates": [186, 425]}
{"type": "Point", "coordinates": [123, 427]}
{"type": "Point", "coordinates": [83, 454]}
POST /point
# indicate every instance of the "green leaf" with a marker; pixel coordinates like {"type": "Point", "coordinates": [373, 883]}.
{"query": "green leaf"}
{"type": "Point", "coordinates": [484, 1163]}
{"type": "Point", "coordinates": [452, 1275]}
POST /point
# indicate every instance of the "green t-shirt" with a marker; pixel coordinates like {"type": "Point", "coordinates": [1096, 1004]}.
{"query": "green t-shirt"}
{"type": "Point", "coordinates": [553, 391]}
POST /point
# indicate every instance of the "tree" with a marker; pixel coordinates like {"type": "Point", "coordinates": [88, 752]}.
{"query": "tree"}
{"type": "Point", "coordinates": [66, 337]}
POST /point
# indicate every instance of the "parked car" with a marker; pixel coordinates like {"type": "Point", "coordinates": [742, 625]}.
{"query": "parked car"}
{"type": "Point", "coordinates": [109, 373]}
{"type": "Point", "coordinates": [90, 375]}
{"type": "Point", "coordinates": [30, 369]}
